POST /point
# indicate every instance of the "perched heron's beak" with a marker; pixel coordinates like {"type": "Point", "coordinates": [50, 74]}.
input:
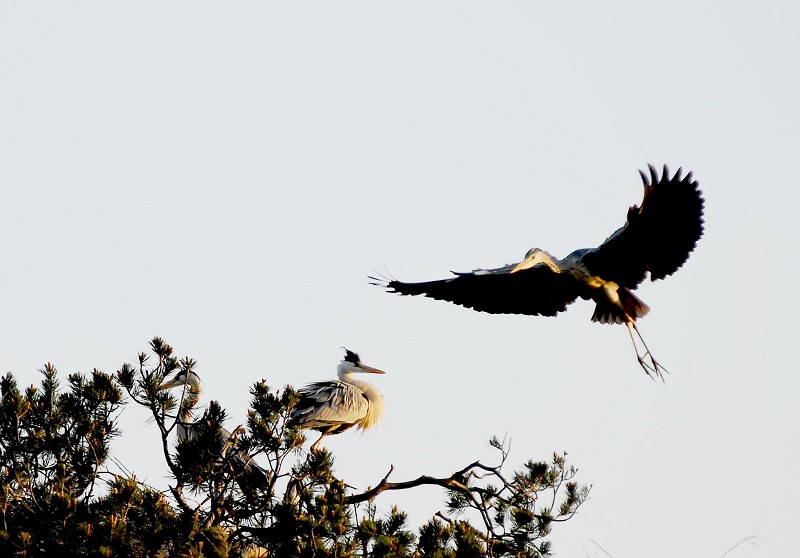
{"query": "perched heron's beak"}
{"type": "Point", "coordinates": [170, 384]}
{"type": "Point", "coordinates": [369, 369]}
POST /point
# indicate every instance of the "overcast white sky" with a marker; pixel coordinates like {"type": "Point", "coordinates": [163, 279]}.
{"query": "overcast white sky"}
{"type": "Point", "coordinates": [225, 175]}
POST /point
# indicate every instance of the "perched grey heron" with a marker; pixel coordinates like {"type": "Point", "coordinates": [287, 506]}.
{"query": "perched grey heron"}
{"type": "Point", "coordinates": [333, 406]}
{"type": "Point", "coordinates": [657, 238]}
{"type": "Point", "coordinates": [252, 476]}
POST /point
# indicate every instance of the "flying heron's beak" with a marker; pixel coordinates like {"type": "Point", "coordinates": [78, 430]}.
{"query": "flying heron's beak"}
{"type": "Point", "coordinates": [370, 369]}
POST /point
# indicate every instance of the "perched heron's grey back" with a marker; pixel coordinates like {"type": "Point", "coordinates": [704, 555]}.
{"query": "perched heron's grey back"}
{"type": "Point", "coordinates": [325, 404]}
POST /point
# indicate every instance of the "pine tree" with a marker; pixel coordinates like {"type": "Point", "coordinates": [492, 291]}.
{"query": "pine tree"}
{"type": "Point", "coordinates": [59, 497]}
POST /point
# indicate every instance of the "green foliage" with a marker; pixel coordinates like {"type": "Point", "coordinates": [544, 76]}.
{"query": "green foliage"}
{"type": "Point", "coordinates": [54, 444]}
{"type": "Point", "coordinates": [386, 538]}
{"type": "Point", "coordinates": [59, 499]}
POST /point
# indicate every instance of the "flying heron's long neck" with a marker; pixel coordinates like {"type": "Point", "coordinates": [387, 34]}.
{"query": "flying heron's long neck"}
{"type": "Point", "coordinates": [535, 257]}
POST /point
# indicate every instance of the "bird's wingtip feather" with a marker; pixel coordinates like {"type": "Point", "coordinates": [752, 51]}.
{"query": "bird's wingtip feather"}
{"type": "Point", "coordinates": [653, 173]}
{"type": "Point", "coordinates": [644, 177]}
{"type": "Point", "coordinates": [381, 280]}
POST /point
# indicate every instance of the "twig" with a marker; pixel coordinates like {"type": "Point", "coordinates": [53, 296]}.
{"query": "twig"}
{"type": "Point", "coordinates": [601, 548]}
{"type": "Point", "coordinates": [748, 539]}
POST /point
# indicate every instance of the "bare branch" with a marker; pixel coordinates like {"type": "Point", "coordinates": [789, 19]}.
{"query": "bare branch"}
{"type": "Point", "coordinates": [450, 482]}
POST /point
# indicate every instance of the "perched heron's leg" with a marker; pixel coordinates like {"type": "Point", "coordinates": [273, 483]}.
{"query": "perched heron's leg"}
{"type": "Point", "coordinates": [652, 367]}
{"type": "Point", "coordinates": [315, 444]}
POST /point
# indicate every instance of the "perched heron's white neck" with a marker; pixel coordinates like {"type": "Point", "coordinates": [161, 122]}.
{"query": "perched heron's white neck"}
{"type": "Point", "coordinates": [373, 395]}
{"type": "Point", "coordinates": [345, 371]}
{"type": "Point", "coordinates": [191, 396]}
{"type": "Point", "coordinates": [348, 377]}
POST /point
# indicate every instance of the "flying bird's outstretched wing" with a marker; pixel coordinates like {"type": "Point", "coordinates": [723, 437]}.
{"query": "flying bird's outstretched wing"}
{"type": "Point", "coordinates": [657, 237]}
{"type": "Point", "coordinates": [535, 291]}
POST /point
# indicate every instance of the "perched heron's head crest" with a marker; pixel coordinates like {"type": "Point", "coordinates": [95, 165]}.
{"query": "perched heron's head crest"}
{"type": "Point", "coordinates": [350, 356]}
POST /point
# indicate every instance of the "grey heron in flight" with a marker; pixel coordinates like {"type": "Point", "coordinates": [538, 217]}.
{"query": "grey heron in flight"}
{"type": "Point", "coordinates": [249, 474]}
{"type": "Point", "coordinates": [333, 406]}
{"type": "Point", "coordinates": [657, 238]}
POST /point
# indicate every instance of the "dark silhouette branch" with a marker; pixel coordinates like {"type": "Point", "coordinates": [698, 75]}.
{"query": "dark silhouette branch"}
{"type": "Point", "coordinates": [457, 482]}
{"type": "Point", "coordinates": [453, 482]}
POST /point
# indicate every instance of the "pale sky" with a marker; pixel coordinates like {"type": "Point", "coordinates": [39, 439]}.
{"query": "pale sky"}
{"type": "Point", "coordinates": [226, 175]}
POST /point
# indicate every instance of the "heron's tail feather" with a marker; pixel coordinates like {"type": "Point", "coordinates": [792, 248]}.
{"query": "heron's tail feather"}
{"type": "Point", "coordinates": [628, 307]}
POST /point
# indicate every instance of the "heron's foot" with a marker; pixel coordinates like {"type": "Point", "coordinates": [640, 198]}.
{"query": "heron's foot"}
{"type": "Point", "coordinates": [651, 366]}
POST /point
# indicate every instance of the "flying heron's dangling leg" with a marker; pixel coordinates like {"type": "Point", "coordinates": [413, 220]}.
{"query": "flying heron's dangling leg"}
{"type": "Point", "coordinates": [652, 367]}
